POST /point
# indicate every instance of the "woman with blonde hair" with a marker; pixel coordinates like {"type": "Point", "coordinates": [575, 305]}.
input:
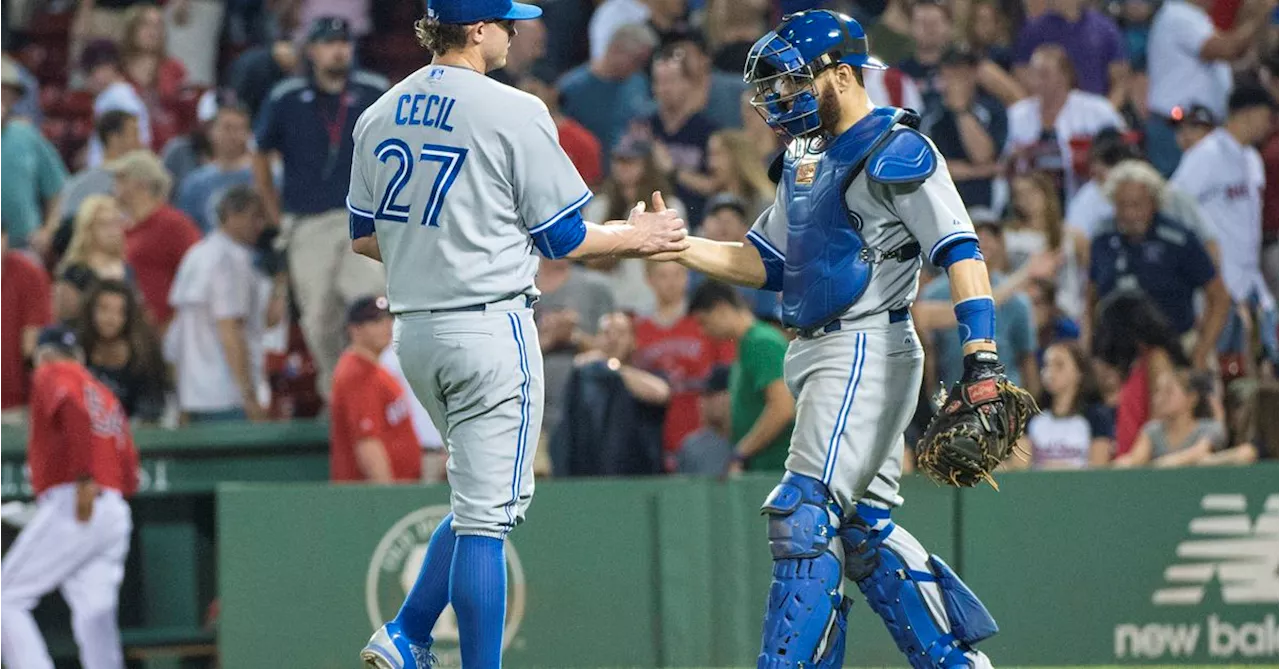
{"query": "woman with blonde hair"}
{"type": "Point", "coordinates": [158, 78]}
{"type": "Point", "coordinates": [733, 162]}
{"type": "Point", "coordinates": [1037, 228]}
{"type": "Point", "coordinates": [633, 176]}
{"type": "Point", "coordinates": [145, 56]}
{"type": "Point", "coordinates": [734, 167]}
{"type": "Point", "coordinates": [96, 252]}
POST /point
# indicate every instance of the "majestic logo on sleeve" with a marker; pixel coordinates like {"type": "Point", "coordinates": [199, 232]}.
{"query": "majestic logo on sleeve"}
{"type": "Point", "coordinates": [395, 565]}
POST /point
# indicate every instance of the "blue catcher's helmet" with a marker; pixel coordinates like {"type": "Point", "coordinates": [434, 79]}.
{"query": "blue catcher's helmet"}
{"type": "Point", "coordinates": [783, 64]}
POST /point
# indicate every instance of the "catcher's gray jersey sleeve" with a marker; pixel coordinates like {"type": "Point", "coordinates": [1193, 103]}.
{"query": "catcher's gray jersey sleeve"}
{"type": "Point", "coordinates": [548, 189]}
{"type": "Point", "coordinates": [769, 235]}
{"type": "Point", "coordinates": [932, 211]}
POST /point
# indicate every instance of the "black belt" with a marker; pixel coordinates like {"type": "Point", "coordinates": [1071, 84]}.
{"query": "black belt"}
{"type": "Point", "coordinates": [895, 316]}
{"type": "Point", "coordinates": [528, 303]}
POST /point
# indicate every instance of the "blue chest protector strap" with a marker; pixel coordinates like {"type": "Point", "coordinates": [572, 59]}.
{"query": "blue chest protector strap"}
{"type": "Point", "coordinates": [890, 568]}
{"type": "Point", "coordinates": [804, 624]}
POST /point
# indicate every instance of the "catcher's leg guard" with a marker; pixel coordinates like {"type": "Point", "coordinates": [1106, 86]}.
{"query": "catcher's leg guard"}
{"type": "Point", "coordinates": [931, 614]}
{"type": "Point", "coordinates": [804, 624]}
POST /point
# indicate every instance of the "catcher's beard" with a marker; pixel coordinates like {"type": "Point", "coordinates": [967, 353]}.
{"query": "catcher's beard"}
{"type": "Point", "coordinates": [828, 107]}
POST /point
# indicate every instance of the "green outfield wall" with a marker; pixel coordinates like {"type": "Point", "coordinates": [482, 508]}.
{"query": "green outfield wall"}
{"type": "Point", "coordinates": [1162, 567]}
{"type": "Point", "coordinates": [1143, 567]}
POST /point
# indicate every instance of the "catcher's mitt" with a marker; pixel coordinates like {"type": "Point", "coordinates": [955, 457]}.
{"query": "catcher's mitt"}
{"type": "Point", "coordinates": [977, 426]}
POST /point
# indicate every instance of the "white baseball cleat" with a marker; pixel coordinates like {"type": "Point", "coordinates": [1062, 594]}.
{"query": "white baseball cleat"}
{"type": "Point", "coordinates": [388, 648]}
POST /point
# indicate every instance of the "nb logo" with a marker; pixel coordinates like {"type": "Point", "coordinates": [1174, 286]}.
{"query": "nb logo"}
{"type": "Point", "coordinates": [1239, 549]}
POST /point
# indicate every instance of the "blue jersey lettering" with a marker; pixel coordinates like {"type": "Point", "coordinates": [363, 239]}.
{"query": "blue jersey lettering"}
{"type": "Point", "coordinates": [431, 111]}
{"type": "Point", "coordinates": [401, 118]}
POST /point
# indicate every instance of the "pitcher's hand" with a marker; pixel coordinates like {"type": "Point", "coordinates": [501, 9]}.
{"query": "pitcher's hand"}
{"type": "Point", "coordinates": [658, 231]}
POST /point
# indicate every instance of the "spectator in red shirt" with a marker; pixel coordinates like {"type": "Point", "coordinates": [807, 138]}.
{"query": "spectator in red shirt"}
{"type": "Point", "coordinates": [1135, 340]}
{"type": "Point", "coordinates": [672, 343]}
{"type": "Point", "coordinates": [578, 143]}
{"type": "Point", "coordinates": [27, 308]}
{"type": "Point", "coordinates": [158, 236]}
{"type": "Point", "coordinates": [83, 466]}
{"type": "Point", "coordinates": [371, 435]}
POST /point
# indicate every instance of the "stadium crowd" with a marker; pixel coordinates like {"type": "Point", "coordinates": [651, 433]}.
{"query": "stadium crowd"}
{"type": "Point", "coordinates": [175, 178]}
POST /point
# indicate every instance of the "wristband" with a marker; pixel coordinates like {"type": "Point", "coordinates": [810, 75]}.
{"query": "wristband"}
{"type": "Point", "coordinates": [976, 319]}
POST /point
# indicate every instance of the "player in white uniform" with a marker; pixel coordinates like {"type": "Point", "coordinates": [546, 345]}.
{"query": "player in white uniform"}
{"type": "Point", "coordinates": [456, 181]}
{"type": "Point", "coordinates": [862, 196]}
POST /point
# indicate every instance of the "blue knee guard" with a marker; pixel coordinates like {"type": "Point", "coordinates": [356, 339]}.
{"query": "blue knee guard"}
{"type": "Point", "coordinates": [804, 624]}
{"type": "Point", "coordinates": [892, 588]}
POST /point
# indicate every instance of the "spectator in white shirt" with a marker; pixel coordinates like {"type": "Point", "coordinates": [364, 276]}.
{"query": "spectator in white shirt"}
{"type": "Point", "coordinates": [1188, 62]}
{"type": "Point", "coordinates": [1051, 131]}
{"type": "Point", "coordinates": [221, 301]}
{"type": "Point", "coordinates": [100, 63]}
{"type": "Point", "coordinates": [1225, 174]}
{"type": "Point", "coordinates": [608, 17]}
{"type": "Point", "coordinates": [1091, 212]}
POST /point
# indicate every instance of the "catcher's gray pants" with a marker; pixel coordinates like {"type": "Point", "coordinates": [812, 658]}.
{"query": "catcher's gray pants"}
{"type": "Point", "coordinates": [856, 391]}
{"type": "Point", "coordinates": [479, 375]}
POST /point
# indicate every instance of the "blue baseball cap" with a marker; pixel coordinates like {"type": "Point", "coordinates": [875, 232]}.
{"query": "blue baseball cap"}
{"type": "Point", "coordinates": [475, 11]}
{"type": "Point", "coordinates": [60, 338]}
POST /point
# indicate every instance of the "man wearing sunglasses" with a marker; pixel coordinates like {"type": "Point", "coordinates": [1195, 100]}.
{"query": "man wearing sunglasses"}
{"type": "Point", "coordinates": [456, 179]}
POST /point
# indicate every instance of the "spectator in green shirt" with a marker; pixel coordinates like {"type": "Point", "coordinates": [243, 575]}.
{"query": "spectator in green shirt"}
{"type": "Point", "coordinates": [761, 408]}
{"type": "Point", "coordinates": [33, 171]}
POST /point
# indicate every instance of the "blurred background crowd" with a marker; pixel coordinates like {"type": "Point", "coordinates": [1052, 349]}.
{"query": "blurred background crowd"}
{"type": "Point", "coordinates": [175, 175]}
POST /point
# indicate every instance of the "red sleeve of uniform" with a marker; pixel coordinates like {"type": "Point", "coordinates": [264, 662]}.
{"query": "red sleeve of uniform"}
{"type": "Point", "coordinates": [71, 418]}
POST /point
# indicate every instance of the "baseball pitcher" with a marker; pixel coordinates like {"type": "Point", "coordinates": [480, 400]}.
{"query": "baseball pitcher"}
{"type": "Point", "coordinates": [862, 198]}
{"type": "Point", "coordinates": [83, 467]}
{"type": "Point", "coordinates": [457, 180]}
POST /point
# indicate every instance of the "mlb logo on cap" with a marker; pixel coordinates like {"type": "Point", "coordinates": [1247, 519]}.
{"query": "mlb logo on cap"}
{"type": "Point", "coordinates": [475, 11]}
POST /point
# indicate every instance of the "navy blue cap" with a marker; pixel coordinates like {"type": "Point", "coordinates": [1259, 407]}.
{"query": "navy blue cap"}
{"type": "Point", "coordinates": [61, 338]}
{"type": "Point", "coordinates": [475, 11]}
{"type": "Point", "coordinates": [1193, 114]}
{"type": "Point", "coordinates": [367, 310]}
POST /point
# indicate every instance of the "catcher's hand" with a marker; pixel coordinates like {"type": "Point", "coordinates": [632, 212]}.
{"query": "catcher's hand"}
{"type": "Point", "coordinates": [977, 426]}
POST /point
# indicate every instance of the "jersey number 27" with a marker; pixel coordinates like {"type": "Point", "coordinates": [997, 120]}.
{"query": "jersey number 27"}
{"type": "Point", "coordinates": [450, 159]}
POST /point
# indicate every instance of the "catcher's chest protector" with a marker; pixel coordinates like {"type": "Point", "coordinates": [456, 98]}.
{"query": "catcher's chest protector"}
{"type": "Point", "coordinates": [826, 270]}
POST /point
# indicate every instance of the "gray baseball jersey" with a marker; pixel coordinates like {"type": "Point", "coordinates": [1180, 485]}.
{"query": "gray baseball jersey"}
{"type": "Point", "coordinates": [457, 170]}
{"type": "Point", "coordinates": [856, 386]}
{"type": "Point", "coordinates": [930, 213]}
{"type": "Point", "coordinates": [461, 177]}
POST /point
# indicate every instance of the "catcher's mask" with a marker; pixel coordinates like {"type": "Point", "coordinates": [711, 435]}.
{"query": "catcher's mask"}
{"type": "Point", "coordinates": [783, 64]}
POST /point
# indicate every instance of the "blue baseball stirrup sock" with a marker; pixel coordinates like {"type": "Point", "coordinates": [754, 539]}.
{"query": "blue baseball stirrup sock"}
{"type": "Point", "coordinates": [478, 590]}
{"type": "Point", "coordinates": [430, 592]}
